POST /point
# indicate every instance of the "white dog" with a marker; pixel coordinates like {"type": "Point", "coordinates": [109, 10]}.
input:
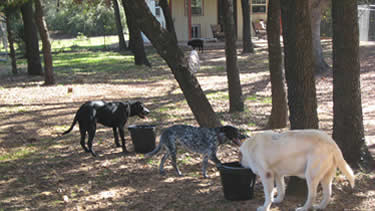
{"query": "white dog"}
{"type": "Point", "coordinates": [309, 154]}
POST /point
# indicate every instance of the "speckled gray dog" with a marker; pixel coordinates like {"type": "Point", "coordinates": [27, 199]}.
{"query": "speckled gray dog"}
{"type": "Point", "coordinates": [197, 139]}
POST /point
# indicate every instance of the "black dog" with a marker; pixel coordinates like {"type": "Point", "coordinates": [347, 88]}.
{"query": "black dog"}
{"type": "Point", "coordinates": [196, 43]}
{"type": "Point", "coordinates": [197, 139]}
{"type": "Point", "coordinates": [113, 114]}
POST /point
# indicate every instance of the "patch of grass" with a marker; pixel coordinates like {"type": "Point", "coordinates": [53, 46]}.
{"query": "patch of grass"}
{"type": "Point", "coordinates": [185, 159]}
{"type": "Point", "coordinates": [261, 99]}
{"type": "Point", "coordinates": [17, 154]}
{"type": "Point", "coordinates": [82, 42]}
{"type": "Point", "coordinates": [218, 96]}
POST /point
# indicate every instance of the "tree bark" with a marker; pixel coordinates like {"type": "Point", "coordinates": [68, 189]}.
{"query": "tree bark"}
{"type": "Point", "coordinates": [348, 129]}
{"type": "Point", "coordinates": [120, 32]}
{"type": "Point", "coordinates": [299, 73]}
{"type": "Point", "coordinates": [168, 17]}
{"type": "Point", "coordinates": [316, 8]}
{"type": "Point", "coordinates": [234, 83]}
{"type": "Point", "coordinates": [279, 112]}
{"type": "Point", "coordinates": [34, 67]}
{"type": "Point", "coordinates": [12, 53]}
{"type": "Point", "coordinates": [165, 45]}
{"type": "Point", "coordinates": [247, 45]}
{"type": "Point", "coordinates": [299, 69]}
{"type": "Point", "coordinates": [47, 54]}
{"type": "Point", "coordinates": [136, 43]}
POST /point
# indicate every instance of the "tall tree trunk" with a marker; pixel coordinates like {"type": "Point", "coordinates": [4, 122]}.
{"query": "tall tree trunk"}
{"type": "Point", "coordinates": [299, 73]}
{"type": "Point", "coordinates": [234, 83]}
{"type": "Point", "coordinates": [316, 8]}
{"type": "Point", "coordinates": [8, 20]}
{"type": "Point", "coordinates": [49, 79]}
{"type": "Point", "coordinates": [279, 112]}
{"type": "Point", "coordinates": [34, 67]}
{"type": "Point", "coordinates": [348, 129]}
{"type": "Point", "coordinates": [299, 69]}
{"type": "Point", "coordinates": [168, 49]}
{"type": "Point", "coordinates": [247, 45]}
{"type": "Point", "coordinates": [136, 43]}
{"type": "Point", "coordinates": [168, 17]}
{"type": "Point", "coordinates": [120, 32]}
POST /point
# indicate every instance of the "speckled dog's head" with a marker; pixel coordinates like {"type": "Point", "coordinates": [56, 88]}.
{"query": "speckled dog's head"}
{"type": "Point", "coordinates": [231, 133]}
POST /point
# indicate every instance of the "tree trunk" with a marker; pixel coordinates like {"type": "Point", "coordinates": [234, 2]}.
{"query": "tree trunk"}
{"type": "Point", "coordinates": [168, 17]}
{"type": "Point", "coordinates": [136, 43]}
{"type": "Point", "coordinates": [246, 29]}
{"type": "Point", "coordinates": [234, 83]}
{"type": "Point", "coordinates": [168, 49]}
{"type": "Point", "coordinates": [12, 53]}
{"type": "Point", "coordinates": [299, 73]}
{"type": "Point", "coordinates": [348, 129]}
{"type": "Point", "coordinates": [316, 8]}
{"type": "Point", "coordinates": [120, 32]}
{"type": "Point", "coordinates": [299, 69]}
{"type": "Point", "coordinates": [34, 67]}
{"type": "Point", "coordinates": [44, 35]}
{"type": "Point", "coordinates": [279, 112]}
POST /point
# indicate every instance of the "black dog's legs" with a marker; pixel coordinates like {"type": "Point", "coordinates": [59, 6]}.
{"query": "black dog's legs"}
{"type": "Point", "coordinates": [122, 135]}
{"type": "Point", "coordinates": [91, 132]}
{"type": "Point", "coordinates": [82, 131]}
{"type": "Point", "coordinates": [83, 137]}
{"type": "Point", "coordinates": [116, 136]}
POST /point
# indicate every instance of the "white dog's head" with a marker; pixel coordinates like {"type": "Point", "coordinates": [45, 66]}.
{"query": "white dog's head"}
{"type": "Point", "coordinates": [244, 153]}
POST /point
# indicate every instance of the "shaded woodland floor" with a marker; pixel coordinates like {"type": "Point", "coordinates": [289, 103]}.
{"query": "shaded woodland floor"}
{"type": "Point", "coordinates": [40, 170]}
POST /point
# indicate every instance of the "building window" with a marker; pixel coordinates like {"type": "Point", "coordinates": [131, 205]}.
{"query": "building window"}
{"type": "Point", "coordinates": [196, 7]}
{"type": "Point", "coordinates": [259, 6]}
{"type": "Point", "coordinates": [196, 31]}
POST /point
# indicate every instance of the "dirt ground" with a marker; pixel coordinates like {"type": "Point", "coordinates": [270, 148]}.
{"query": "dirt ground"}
{"type": "Point", "coordinates": [40, 170]}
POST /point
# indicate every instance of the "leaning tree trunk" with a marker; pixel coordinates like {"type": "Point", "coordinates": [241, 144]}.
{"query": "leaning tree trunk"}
{"type": "Point", "coordinates": [348, 129]}
{"type": "Point", "coordinates": [316, 8]}
{"type": "Point", "coordinates": [136, 43]}
{"type": "Point", "coordinates": [34, 67]}
{"type": "Point", "coordinates": [12, 53]}
{"type": "Point", "coordinates": [168, 49]}
{"type": "Point", "coordinates": [279, 111]}
{"type": "Point", "coordinates": [234, 83]}
{"type": "Point", "coordinates": [247, 45]}
{"type": "Point", "coordinates": [299, 73]}
{"type": "Point", "coordinates": [168, 17]}
{"type": "Point", "coordinates": [44, 35]}
{"type": "Point", "coordinates": [120, 32]}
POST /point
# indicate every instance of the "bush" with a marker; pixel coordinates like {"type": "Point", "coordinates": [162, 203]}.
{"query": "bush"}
{"type": "Point", "coordinates": [88, 19]}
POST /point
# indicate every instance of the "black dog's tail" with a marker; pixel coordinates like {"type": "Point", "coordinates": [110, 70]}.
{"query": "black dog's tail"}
{"type": "Point", "coordinates": [71, 127]}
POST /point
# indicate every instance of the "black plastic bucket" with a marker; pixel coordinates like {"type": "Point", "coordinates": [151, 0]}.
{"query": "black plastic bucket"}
{"type": "Point", "coordinates": [143, 137]}
{"type": "Point", "coordinates": [238, 182]}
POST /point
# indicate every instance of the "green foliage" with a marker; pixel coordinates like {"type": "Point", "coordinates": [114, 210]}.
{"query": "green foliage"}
{"type": "Point", "coordinates": [326, 24]}
{"type": "Point", "coordinates": [90, 19]}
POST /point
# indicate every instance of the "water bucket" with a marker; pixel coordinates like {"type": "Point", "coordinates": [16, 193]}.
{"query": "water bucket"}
{"type": "Point", "coordinates": [238, 182]}
{"type": "Point", "coordinates": [143, 137]}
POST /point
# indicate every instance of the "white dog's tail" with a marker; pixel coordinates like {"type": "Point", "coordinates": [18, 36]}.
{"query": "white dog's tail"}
{"type": "Point", "coordinates": [343, 166]}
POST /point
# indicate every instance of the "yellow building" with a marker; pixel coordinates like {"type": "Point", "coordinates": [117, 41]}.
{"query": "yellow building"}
{"type": "Point", "coordinates": [205, 13]}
